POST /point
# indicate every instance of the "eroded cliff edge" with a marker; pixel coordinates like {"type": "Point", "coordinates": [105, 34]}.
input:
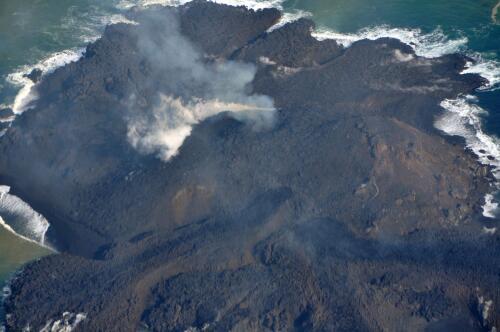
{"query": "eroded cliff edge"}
{"type": "Point", "coordinates": [351, 213]}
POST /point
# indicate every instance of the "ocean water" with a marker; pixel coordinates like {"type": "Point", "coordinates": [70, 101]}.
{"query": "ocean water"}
{"type": "Point", "coordinates": [46, 34]}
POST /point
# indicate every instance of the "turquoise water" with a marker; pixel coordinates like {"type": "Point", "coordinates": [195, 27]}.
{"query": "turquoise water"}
{"type": "Point", "coordinates": [459, 17]}
{"type": "Point", "coordinates": [32, 31]}
{"type": "Point", "coordinates": [471, 19]}
{"type": "Point", "coordinates": [29, 32]}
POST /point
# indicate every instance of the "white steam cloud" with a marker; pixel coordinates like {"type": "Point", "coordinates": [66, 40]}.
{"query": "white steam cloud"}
{"type": "Point", "coordinates": [172, 121]}
{"type": "Point", "coordinates": [190, 89]}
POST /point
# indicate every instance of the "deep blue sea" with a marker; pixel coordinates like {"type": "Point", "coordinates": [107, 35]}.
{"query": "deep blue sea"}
{"type": "Point", "coordinates": [46, 34]}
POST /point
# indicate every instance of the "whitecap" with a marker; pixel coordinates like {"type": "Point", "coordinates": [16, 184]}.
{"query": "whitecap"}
{"type": "Point", "coordinates": [68, 322]}
{"type": "Point", "coordinates": [490, 207]}
{"type": "Point", "coordinates": [117, 19]}
{"type": "Point", "coordinates": [430, 45]}
{"type": "Point", "coordinates": [486, 68]}
{"type": "Point", "coordinates": [87, 25]}
{"type": "Point", "coordinates": [26, 95]}
{"type": "Point", "coordinates": [463, 117]}
{"type": "Point", "coordinates": [19, 218]}
{"type": "Point", "coordinates": [484, 307]}
{"type": "Point", "coordinates": [489, 231]}
{"type": "Point", "coordinates": [252, 4]}
{"type": "Point", "coordinates": [289, 17]}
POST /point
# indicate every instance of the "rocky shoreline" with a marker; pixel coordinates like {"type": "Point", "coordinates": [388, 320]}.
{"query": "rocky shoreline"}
{"type": "Point", "coordinates": [352, 212]}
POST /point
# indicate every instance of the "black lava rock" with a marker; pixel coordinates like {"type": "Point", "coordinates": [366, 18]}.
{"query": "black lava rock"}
{"type": "Point", "coordinates": [352, 213]}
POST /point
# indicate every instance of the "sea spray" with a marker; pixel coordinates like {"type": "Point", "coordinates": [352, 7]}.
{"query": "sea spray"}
{"type": "Point", "coordinates": [463, 117]}
{"type": "Point", "coordinates": [430, 45]}
{"type": "Point", "coordinates": [91, 29]}
{"type": "Point", "coordinates": [18, 217]}
{"type": "Point", "coordinates": [252, 4]}
{"type": "Point", "coordinates": [289, 17]}
{"type": "Point", "coordinates": [486, 68]}
{"type": "Point", "coordinates": [26, 95]}
{"type": "Point", "coordinates": [67, 323]}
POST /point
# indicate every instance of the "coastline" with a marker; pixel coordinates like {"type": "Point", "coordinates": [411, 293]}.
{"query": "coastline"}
{"type": "Point", "coordinates": [134, 244]}
{"type": "Point", "coordinates": [13, 260]}
{"type": "Point", "coordinates": [23, 221]}
{"type": "Point", "coordinates": [414, 38]}
{"type": "Point", "coordinates": [458, 113]}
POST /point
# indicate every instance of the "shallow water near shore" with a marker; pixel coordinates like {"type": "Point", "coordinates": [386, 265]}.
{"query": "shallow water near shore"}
{"type": "Point", "coordinates": [14, 252]}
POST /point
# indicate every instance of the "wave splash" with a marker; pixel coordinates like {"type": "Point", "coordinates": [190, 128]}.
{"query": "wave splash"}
{"type": "Point", "coordinates": [88, 26]}
{"type": "Point", "coordinates": [289, 17]}
{"type": "Point", "coordinates": [431, 45]}
{"type": "Point", "coordinates": [463, 117]}
{"type": "Point", "coordinates": [486, 68]}
{"type": "Point", "coordinates": [26, 96]}
{"type": "Point", "coordinates": [19, 218]}
{"type": "Point", "coordinates": [68, 322]}
{"type": "Point", "coordinates": [252, 4]}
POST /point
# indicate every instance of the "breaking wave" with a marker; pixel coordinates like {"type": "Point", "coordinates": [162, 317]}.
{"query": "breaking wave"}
{"type": "Point", "coordinates": [289, 17]}
{"type": "Point", "coordinates": [15, 215]}
{"type": "Point", "coordinates": [68, 322]}
{"type": "Point", "coordinates": [430, 45]}
{"type": "Point", "coordinates": [88, 27]}
{"type": "Point", "coordinates": [19, 218]}
{"type": "Point", "coordinates": [26, 96]}
{"type": "Point", "coordinates": [464, 116]}
{"type": "Point", "coordinates": [486, 68]}
{"type": "Point", "coordinates": [253, 4]}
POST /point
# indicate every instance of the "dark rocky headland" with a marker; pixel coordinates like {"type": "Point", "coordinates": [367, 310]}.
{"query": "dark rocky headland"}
{"type": "Point", "coordinates": [352, 213]}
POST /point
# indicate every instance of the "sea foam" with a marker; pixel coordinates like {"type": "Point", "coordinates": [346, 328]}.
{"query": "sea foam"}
{"type": "Point", "coordinates": [289, 17]}
{"type": "Point", "coordinates": [26, 95]}
{"type": "Point", "coordinates": [19, 218]}
{"type": "Point", "coordinates": [486, 68]}
{"type": "Point", "coordinates": [252, 4]}
{"type": "Point", "coordinates": [68, 322]}
{"type": "Point", "coordinates": [430, 45]}
{"type": "Point", "coordinates": [463, 116]}
{"type": "Point", "coordinates": [88, 26]}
